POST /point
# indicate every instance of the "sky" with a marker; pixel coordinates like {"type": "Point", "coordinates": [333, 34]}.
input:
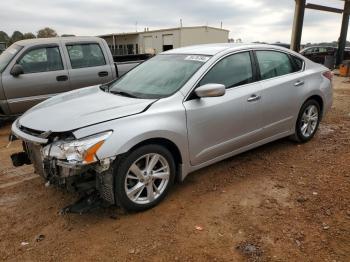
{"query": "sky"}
{"type": "Point", "coordinates": [249, 20]}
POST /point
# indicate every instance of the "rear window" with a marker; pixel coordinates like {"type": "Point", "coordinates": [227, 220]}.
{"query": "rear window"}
{"type": "Point", "coordinates": [273, 64]}
{"type": "Point", "coordinates": [298, 63]}
{"type": "Point", "coordinates": [85, 55]}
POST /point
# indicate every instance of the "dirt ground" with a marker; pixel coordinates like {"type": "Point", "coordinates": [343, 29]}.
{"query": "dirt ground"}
{"type": "Point", "coordinates": [280, 202]}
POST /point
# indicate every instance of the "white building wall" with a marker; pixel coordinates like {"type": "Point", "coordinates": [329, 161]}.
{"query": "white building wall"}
{"type": "Point", "coordinates": [152, 42]}
{"type": "Point", "coordinates": [203, 35]}
{"type": "Point", "coordinates": [157, 39]}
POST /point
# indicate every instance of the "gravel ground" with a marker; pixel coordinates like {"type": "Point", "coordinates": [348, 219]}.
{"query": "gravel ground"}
{"type": "Point", "coordinates": [280, 202]}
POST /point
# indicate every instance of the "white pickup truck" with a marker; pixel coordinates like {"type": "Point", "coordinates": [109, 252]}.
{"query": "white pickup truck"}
{"type": "Point", "coordinates": [36, 69]}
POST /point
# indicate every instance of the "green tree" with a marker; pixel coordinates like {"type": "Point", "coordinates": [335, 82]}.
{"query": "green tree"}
{"type": "Point", "coordinates": [46, 32]}
{"type": "Point", "coordinates": [16, 36]}
{"type": "Point", "coordinates": [67, 35]}
{"type": "Point", "coordinates": [4, 37]}
{"type": "Point", "coordinates": [29, 36]}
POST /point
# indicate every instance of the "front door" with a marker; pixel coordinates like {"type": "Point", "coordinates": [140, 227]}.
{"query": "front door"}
{"type": "Point", "coordinates": [44, 75]}
{"type": "Point", "coordinates": [220, 125]}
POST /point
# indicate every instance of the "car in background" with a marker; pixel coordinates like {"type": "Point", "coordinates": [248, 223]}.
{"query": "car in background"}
{"type": "Point", "coordinates": [282, 45]}
{"type": "Point", "coordinates": [179, 111]}
{"type": "Point", "coordinates": [36, 69]}
{"type": "Point", "coordinates": [318, 54]}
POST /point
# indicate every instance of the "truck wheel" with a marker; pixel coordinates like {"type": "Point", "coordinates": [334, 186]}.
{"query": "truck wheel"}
{"type": "Point", "coordinates": [308, 121]}
{"type": "Point", "coordinates": [144, 177]}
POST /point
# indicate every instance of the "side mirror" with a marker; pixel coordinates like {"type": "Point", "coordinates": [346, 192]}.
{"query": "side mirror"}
{"type": "Point", "coordinates": [210, 90]}
{"type": "Point", "coordinates": [17, 70]}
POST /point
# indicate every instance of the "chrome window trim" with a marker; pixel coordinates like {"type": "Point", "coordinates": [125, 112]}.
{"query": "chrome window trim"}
{"type": "Point", "coordinates": [253, 64]}
{"type": "Point", "coordinates": [214, 64]}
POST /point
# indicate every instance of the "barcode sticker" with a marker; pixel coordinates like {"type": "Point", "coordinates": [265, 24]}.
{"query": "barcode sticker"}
{"type": "Point", "coordinates": [198, 58]}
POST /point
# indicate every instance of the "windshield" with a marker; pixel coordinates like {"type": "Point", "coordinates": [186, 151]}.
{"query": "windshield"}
{"type": "Point", "coordinates": [158, 77]}
{"type": "Point", "coordinates": [7, 55]}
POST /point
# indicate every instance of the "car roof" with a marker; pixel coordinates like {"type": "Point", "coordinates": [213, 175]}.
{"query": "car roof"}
{"type": "Point", "coordinates": [213, 49]}
{"type": "Point", "coordinates": [27, 42]}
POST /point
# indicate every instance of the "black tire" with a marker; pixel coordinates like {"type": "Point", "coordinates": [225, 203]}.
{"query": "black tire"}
{"type": "Point", "coordinates": [298, 135]}
{"type": "Point", "coordinates": [121, 170]}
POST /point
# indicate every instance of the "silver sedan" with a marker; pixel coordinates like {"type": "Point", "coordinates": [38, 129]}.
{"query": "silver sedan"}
{"type": "Point", "coordinates": [180, 111]}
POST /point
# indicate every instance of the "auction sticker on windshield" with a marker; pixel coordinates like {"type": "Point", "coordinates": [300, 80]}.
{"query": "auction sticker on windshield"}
{"type": "Point", "coordinates": [198, 58]}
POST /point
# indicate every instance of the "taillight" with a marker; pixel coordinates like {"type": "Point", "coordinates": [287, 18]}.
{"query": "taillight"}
{"type": "Point", "coordinates": [328, 74]}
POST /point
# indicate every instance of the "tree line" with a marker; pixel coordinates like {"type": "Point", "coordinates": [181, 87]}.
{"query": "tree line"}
{"type": "Point", "coordinates": [17, 35]}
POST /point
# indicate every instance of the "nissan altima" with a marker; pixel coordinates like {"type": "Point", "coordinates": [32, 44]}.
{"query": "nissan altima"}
{"type": "Point", "coordinates": [129, 141]}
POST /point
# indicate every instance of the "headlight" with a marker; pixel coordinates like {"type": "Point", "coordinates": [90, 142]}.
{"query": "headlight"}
{"type": "Point", "coordinates": [81, 151]}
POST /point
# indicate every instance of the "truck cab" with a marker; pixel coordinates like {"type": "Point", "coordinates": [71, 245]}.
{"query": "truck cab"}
{"type": "Point", "coordinates": [36, 69]}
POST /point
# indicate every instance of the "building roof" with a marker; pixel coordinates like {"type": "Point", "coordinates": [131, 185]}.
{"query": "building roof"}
{"type": "Point", "coordinates": [164, 29]}
{"type": "Point", "coordinates": [213, 49]}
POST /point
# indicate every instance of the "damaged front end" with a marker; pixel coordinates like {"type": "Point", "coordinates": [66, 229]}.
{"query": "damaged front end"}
{"type": "Point", "coordinates": [67, 162]}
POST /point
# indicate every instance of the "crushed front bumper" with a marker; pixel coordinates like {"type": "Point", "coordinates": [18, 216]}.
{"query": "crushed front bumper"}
{"type": "Point", "coordinates": [84, 179]}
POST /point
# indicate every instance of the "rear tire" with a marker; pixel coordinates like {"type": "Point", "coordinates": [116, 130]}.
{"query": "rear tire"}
{"type": "Point", "coordinates": [143, 177]}
{"type": "Point", "coordinates": [308, 121]}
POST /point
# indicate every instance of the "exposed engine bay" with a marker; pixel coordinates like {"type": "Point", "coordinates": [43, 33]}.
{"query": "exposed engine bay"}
{"type": "Point", "coordinates": [72, 164]}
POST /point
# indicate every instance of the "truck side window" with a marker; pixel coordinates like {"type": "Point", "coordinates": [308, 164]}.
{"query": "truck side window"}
{"type": "Point", "coordinates": [43, 59]}
{"type": "Point", "coordinates": [85, 55]}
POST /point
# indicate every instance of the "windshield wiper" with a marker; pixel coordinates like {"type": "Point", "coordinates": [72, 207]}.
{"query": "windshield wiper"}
{"type": "Point", "coordinates": [123, 93]}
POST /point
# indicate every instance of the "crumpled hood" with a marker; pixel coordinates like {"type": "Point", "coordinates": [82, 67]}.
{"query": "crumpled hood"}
{"type": "Point", "coordinates": [80, 108]}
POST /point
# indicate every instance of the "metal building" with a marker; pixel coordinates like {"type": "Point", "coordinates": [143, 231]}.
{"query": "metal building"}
{"type": "Point", "coordinates": [156, 41]}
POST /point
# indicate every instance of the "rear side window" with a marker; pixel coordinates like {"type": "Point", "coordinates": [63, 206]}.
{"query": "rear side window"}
{"type": "Point", "coordinates": [273, 64]}
{"type": "Point", "coordinates": [43, 59]}
{"type": "Point", "coordinates": [322, 49]}
{"type": "Point", "coordinates": [298, 63]}
{"type": "Point", "coordinates": [85, 55]}
{"type": "Point", "coordinates": [310, 51]}
{"type": "Point", "coordinates": [231, 71]}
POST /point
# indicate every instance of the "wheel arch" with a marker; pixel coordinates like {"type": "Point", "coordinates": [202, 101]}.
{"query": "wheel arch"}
{"type": "Point", "coordinates": [318, 99]}
{"type": "Point", "coordinates": [168, 144]}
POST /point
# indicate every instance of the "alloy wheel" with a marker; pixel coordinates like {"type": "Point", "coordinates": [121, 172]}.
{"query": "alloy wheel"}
{"type": "Point", "coordinates": [147, 178]}
{"type": "Point", "coordinates": [309, 121]}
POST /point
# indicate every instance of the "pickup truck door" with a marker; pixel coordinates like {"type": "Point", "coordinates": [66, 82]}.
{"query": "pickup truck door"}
{"type": "Point", "coordinates": [44, 75]}
{"type": "Point", "coordinates": [88, 64]}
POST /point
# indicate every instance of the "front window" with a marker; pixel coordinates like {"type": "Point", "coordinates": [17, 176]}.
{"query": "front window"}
{"type": "Point", "coordinates": [43, 59]}
{"type": "Point", "coordinates": [8, 54]}
{"type": "Point", "coordinates": [159, 77]}
{"type": "Point", "coordinates": [232, 71]}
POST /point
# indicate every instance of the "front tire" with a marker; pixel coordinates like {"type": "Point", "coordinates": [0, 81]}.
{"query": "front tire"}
{"type": "Point", "coordinates": [308, 121]}
{"type": "Point", "coordinates": [143, 177]}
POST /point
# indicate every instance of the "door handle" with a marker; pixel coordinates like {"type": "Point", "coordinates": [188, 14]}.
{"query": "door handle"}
{"type": "Point", "coordinates": [254, 98]}
{"type": "Point", "coordinates": [103, 74]}
{"type": "Point", "coordinates": [299, 83]}
{"type": "Point", "coordinates": [62, 78]}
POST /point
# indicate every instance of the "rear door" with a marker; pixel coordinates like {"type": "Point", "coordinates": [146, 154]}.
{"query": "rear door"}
{"type": "Point", "coordinates": [220, 125]}
{"type": "Point", "coordinates": [88, 64]}
{"type": "Point", "coordinates": [281, 76]}
{"type": "Point", "coordinates": [44, 75]}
